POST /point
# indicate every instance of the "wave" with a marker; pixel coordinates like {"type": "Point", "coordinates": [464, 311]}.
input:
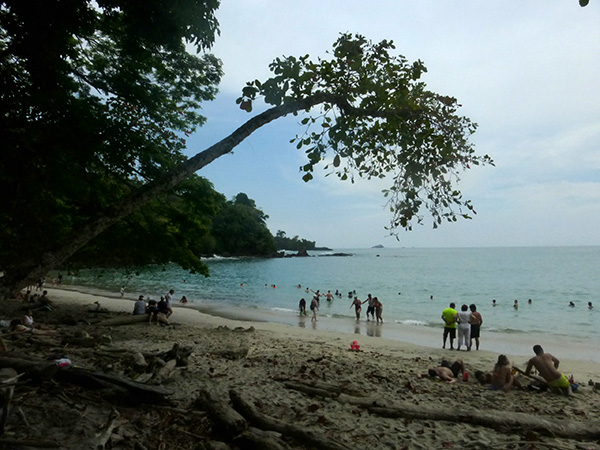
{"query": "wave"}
{"type": "Point", "coordinates": [412, 322]}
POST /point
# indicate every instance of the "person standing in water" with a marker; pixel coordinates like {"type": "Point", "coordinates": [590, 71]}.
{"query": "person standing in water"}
{"type": "Point", "coordinates": [357, 307]}
{"type": "Point", "coordinates": [378, 310]}
{"type": "Point", "coordinates": [302, 307]}
{"type": "Point", "coordinates": [314, 307]}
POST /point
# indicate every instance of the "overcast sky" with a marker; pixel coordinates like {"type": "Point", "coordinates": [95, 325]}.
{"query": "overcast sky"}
{"type": "Point", "coordinates": [527, 72]}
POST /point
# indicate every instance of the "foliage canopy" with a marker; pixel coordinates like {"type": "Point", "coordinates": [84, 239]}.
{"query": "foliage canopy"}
{"type": "Point", "coordinates": [97, 97]}
{"type": "Point", "coordinates": [377, 118]}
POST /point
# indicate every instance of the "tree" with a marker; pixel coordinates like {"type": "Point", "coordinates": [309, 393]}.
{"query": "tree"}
{"type": "Point", "coordinates": [95, 100]}
{"type": "Point", "coordinates": [176, 227]}
{"type": "Point", "coordinates": [240, 229]}
{"type": "Point", "coordinates": [282, 242]}
{"type": "Point", "coordinates": [368, 115]}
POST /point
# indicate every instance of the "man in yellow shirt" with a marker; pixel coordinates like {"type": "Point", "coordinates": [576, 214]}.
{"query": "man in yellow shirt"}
{"type": "Point", "coordinates": [449, 318]}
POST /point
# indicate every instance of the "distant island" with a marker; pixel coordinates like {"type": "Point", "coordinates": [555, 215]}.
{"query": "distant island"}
{"type": "Point", "coordinates": [378, 246]}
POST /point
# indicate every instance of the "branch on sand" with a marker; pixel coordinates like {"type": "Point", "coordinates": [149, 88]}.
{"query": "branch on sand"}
{"type": "Point", "coordinates": [498, 420]}
{"type": "Point", "coordinates": [265, 422]}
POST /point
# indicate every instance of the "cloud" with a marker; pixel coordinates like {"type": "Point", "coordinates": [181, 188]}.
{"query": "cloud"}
{"type": "Point", "coordinates": [525, 72]}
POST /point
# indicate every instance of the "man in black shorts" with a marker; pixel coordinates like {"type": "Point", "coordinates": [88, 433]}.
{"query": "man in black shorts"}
{"type": "Point", "coordinates": [446, 371]}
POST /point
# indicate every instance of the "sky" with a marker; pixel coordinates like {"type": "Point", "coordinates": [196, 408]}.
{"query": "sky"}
{"type": "Point", "coordinates": [528, 73]}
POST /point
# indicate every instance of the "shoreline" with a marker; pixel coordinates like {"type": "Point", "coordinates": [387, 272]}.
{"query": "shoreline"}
{"type": "Point", "coordinates": [577, 358]}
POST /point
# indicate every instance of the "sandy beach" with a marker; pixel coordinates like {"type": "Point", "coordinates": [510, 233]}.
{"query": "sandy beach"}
{"type": "Point", "coordinates": [314, 383]}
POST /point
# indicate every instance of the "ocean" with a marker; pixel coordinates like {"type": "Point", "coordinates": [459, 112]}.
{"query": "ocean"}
{"type": "Point", "coordinates": [414, 285]}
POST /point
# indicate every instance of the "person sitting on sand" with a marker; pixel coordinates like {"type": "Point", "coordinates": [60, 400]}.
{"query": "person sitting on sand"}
{"type": "Point", "coordinates": [445, 371]}
{"type": "Point", "coordinates": [162, 317]}
{"type": "Point", "coordinates": [45, 302]}
{"type": "Point", "coordinates": [139, 307]}
{"type": "Point", "coordinates": [502, 376]}
{"type": "Point", "coordinates": [27, 296]}
{"type": "Point", "coordinates": [547, 366]}
{"type": "Point", "coordinates": [152, 311]}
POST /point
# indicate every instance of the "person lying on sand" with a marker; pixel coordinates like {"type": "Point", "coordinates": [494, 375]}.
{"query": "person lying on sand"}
{"type": "Point", "coordinates": [445, 371]}
{"type": "Point", "coordinates": [547, 366]}
{"type": "Point", "coordinates": [17, 325]}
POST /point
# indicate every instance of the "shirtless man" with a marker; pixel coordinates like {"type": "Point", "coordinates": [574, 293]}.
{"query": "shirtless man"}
{"type": "Point", "coordinates": [547, 366]}
{"type": "Point", "coordinates": [445, 371]}
{"type": "Point", "coordinates": [370, 307]}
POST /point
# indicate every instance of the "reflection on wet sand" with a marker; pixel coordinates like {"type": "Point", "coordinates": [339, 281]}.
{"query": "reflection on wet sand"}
{"type": "Point", "coordinates": [373, 329]}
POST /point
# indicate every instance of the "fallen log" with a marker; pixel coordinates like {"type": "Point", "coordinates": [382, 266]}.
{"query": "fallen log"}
{"type": "Point", "coordinates": [100, 438]}
{"type": "Point", "coordinates": [583, 430]}
{"type": "Point", "coordinates": [164, 372]}
{"type": "Point", "coordinates": [306, 437]}
{"type": "Point", "coordinates": [311, 390]}
{"type": "Point", "coordinates": [257, 438]}
{"type": "Point", "coordinates": [227, 422]}
{"type": "Point", "coordinates": [87, 378]}
{"type": "Point", "coordinates": [28, 443]}
{"type": "Point", "coordinates": [179, 353]}
{"type": "Point", "coordinates": [325, 390]}
{"type": "Point", "coordinates": [36, 369]}
{"type": "Point", "coordinates": [8, 379]}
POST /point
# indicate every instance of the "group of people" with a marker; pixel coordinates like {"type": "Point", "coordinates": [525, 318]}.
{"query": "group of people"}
{"type": "Point", "coordinates": [314, 303]}
{"type": "Point", "coordinates": [158, 312]}
{"type": "Point", "coordinates": [36, 301]}
{"type": "Point", "coordinates": [374, 307]}
{"type": "Point", "coordinates": [27, 324]}
{"type": "Point", "coordinates": [467, 322]}
{"type": "Point", "coordinates": [505, 377]}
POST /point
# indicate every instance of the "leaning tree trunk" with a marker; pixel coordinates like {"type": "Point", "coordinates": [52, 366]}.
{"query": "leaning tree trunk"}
{"type": "Point", "coordinates": [29, 270]}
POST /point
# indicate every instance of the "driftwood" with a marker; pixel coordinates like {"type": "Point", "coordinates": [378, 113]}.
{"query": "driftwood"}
{"type": "Point", "coordinates": [28, 443]}
{"type": "Point", "coordinates": [8, 379]}
{"type": "Point", "coordinates": [227, 422]}
{"type": "Point", "coordinates": [257, 438]}
{"type": "Point", "coordinates": [530, 375]}
{"type": "Point", "coordinates": [584, 430]}
{"type": "Point", "coordinates": [178, 353]}
{"type": "Point", "coordinates": [321, 389]}
{"type": "Point", "coordinates": [164, 372]}
{"type": "Point", "coordinates": [265, 422]}
{"type": "Point", "coordinates": [101, 438]}
{"type": "Point", "coordinates": [34, 368]}
{"type": "Point", "coordinates": [90, 379]}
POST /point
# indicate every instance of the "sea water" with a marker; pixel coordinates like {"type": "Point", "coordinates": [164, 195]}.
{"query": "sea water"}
{"type": "Point", "coordinates": [414, 285]}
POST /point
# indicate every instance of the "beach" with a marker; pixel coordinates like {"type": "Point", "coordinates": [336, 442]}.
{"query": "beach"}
{"type": "Point", "coordinates": [312, 380]}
